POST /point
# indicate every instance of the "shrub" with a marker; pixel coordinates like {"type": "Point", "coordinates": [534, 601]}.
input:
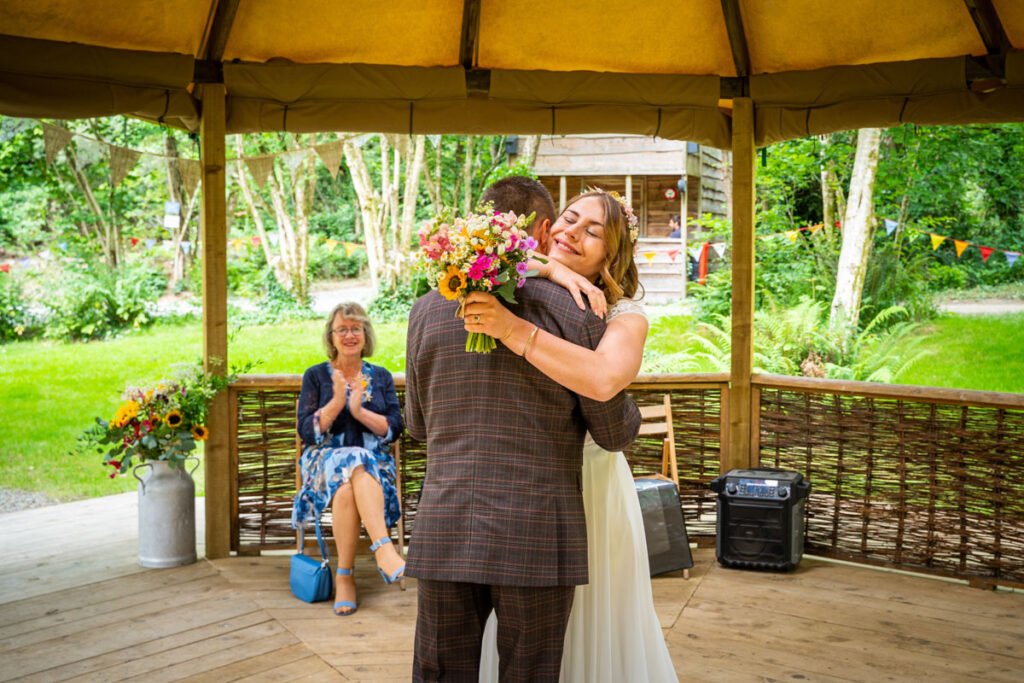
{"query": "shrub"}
{"type": "Point", "coordinates": [16, 321]}
{"type": "Point", "coordinates": [276, 305]}
{"type": "Point", "coordinates": [97, 301]}
{"type": "Point", "coordinates": [335, 265]}
{"type": "Point", "coordinates": [942, 277]}
{"type": "Point", "coordinates": [393, 304]}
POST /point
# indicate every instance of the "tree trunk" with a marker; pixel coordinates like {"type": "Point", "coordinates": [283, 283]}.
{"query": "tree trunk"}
{"type": "Point", "coordinates": [254, 203]}
{"type": "Point", "coordinates": [176, 191]}
{"type": "Point", "coordinates": [529, 144]}
{"type": "Point", "coordinates": [414, 170]}
{"type": "Point", "coordinates": [107, 234]}
{"type": "Point", "coordinates": [467, 177]}
{"type": "Point", "coordinates": [371, 208]}
{"type": "Point", "coordinates": [858, 229]}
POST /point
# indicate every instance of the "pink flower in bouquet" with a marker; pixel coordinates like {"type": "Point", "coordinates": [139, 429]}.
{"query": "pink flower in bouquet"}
{"type": "Point", "coordinates": [481, 267]}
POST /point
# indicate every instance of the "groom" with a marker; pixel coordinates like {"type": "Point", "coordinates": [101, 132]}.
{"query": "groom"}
{"type": "Point", "coordinates": [500, 522]}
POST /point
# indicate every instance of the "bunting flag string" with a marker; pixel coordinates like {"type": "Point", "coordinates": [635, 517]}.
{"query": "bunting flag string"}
{"type": "Point", "coordinates": [890, 227]}
{"type": "Point", "coordinates": [123, 159]}
{"type": "Point", "coordinates": [962, 246]}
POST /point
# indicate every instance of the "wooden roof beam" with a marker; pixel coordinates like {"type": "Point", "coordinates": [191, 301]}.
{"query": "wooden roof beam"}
{"type": "Point", "coordinates": [211, 51]}
{"type": "Point", "coordinates": [738, 44]}
{"type": "Point", "coordinates": [478, 81]}
{"type": "Point", "coordinates": [997, 43]}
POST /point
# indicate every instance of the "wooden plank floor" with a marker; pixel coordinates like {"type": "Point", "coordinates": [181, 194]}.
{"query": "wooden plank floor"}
{"type": "Point", "coordinates": [75, 606]}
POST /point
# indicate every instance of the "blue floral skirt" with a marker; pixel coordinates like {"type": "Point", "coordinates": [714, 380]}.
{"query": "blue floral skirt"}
{"type": "Point", "coordinates": [325, 468]}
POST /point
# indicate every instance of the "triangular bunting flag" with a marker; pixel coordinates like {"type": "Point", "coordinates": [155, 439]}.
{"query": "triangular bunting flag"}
{"type": "Point", "coordinates": [719, 248]}
{"type": "Point", "coordinates": [330, 154]}
{"type": "Point", "coordinates": [672, 253]}
{"type": "Point", "coordinates": [960, 246]}
{"type": "Point", "coordinates": [55, 139]}
{"type": "Point", "coordinates": [186, 246]}
{"type": "Point", "coordinates": [134, 241]}
{"type": "Point", "coordinates": [122, 161]}
{"type": "Point", "coordinates": [695, 252]}
{"type": "Point", "coordinates": [331, 245]}
{"type": "Point", "coordinates": [936, 240]}
{"type": "Point", "coordinates": [890, 226]}
{"type": "Point", "coordinates": [791, 234]}
{"type": "Point", "coordinates": [5, 267]}
{"type": "Point", "coordinates": [816, 227]}
{"type": "Point", "coordinates": [273, 238]}
{"type": "Point", "coordinates": [293, 159]}
{"type": "Point", "coordinates": [1011, 257]}
{"type": "Point", "coordinates": [260, 168]}
{"type": "Point", "coordinates": [985, 253]}
{"type": "Point", "coordinates": [255, 240]}
{"type": "Point", "coordinates": [350, 248]}
{"type": "Point", "coordinates": [649, 255]}
{"type": "Point", "coordinates": [150, 242]}
{"type": "Point", "coordinates": [190, 170]}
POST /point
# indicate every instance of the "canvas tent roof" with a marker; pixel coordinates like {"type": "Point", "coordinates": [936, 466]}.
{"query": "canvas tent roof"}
{"type": "Point", "coordinates": [661, 67]}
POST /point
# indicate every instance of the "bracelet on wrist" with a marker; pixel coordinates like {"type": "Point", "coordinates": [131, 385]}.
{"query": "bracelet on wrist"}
{"type": "Point", "coordinates": [529, 340]}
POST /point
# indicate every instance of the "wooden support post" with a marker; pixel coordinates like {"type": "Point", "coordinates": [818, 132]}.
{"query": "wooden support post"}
{"type": "Point", "coordinates": [744, 156]}
{"type": "Point", "coordinates": [213, 227]}
{"type": "Point", "coordinates": [629, 190]}
{"type": "Point", "coordinates": [561, 194]}
{"type": "Point", "coordinates": [684, 236]}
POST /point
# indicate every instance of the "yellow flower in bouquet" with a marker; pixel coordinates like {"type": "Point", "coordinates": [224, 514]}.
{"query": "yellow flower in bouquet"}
{"type": "Point", "coordinates": [485, 251]}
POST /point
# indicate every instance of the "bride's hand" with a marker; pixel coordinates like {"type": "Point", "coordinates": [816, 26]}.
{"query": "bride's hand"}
{"type": "Point", "coordinates": [483, 313]}
{"type": "Point", "coordinates": [577, 285]}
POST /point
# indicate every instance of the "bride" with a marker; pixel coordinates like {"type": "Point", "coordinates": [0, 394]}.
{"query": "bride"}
{"type": "Point", "coordinates": [613, 633]}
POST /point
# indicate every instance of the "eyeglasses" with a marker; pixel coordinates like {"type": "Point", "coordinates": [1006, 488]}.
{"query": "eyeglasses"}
{"type": "Point", "coordinates": [342, 331]}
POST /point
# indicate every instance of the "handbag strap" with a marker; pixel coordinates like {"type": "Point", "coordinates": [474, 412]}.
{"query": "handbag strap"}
{"type": "Point", "coordinates": [319, 540]}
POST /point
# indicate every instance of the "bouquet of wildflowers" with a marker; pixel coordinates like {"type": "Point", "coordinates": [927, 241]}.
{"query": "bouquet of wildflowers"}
{"type": "Point", "coordinates": [484, 251]}
{"type": "Point", "coordinates": [162, 421]}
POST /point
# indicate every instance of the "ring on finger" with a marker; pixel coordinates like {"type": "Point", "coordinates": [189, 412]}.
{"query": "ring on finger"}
{"type": "Point", "coordinates": [476, 318]}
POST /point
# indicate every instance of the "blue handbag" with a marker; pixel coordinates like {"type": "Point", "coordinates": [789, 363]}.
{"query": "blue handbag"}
{"type": "Point", "coordinates": [310, 578]}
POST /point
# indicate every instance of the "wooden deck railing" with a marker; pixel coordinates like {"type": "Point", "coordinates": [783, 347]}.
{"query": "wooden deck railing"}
{"type": "Point", "coordinates": [917, 478]}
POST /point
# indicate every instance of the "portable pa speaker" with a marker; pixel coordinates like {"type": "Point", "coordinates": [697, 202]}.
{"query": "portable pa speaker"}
{"type": "Point", "coordinates": [668, 546]}
{"type": "Point", "coordinates": [760, 518]}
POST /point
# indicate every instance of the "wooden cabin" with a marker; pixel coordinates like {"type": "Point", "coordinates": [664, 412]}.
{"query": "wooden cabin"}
{"type": "Point", "coordinates": [661, 178]}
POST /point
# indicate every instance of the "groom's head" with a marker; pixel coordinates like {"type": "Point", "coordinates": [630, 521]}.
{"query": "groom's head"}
{"type": "Point", "coordinates": [523, 196]}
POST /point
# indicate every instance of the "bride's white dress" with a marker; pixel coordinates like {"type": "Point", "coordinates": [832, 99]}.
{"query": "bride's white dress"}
{"type": "Point", "coordinates": [613, 634]}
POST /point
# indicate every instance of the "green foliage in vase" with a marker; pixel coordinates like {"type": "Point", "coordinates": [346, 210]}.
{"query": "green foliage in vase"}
{"type": "Point", "coordinates": [162, 421]}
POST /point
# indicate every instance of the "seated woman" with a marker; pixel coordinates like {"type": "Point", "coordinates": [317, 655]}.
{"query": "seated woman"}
{"type": "Point", "coordinates": [348, 415]}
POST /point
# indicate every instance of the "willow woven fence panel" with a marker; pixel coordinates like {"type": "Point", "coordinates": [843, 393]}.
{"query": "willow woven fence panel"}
{"type": "Point", "coordinates": [919, 485]}
{"type": "Point", "coordinates": [264, 453]}
{"type": "Point", "coordinates": [696, 421]}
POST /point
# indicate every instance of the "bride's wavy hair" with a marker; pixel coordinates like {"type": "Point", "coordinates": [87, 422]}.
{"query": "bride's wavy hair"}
{"type": "Point", "coordinates": [619, 277]}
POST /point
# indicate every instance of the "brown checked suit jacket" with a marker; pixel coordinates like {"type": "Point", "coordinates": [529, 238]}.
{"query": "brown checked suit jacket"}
{"type": "Point", "coordinates": [501, 501]}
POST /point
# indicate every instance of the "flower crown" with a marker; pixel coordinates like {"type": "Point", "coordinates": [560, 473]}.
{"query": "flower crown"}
{"type": "Point", "coordinates": [632, 222]}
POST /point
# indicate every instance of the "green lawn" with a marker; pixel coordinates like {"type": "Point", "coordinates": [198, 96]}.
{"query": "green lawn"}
{"type": "Point", "coordinates": [972, 352]}
{"type": "Point", "coordinates": [52, 391]}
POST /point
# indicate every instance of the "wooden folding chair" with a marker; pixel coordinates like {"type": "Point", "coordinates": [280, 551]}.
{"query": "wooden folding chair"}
{"type": "Point", "coordinates": [657, 420]}
{"type": "Point", "coordinates": [396, 452]}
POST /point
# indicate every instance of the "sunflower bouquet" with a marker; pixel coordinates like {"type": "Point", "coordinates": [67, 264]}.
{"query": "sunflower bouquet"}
{"type": "Point", "coordinates": [486, 251]}
{"type": "Point", "coordinates": [162, 421]}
